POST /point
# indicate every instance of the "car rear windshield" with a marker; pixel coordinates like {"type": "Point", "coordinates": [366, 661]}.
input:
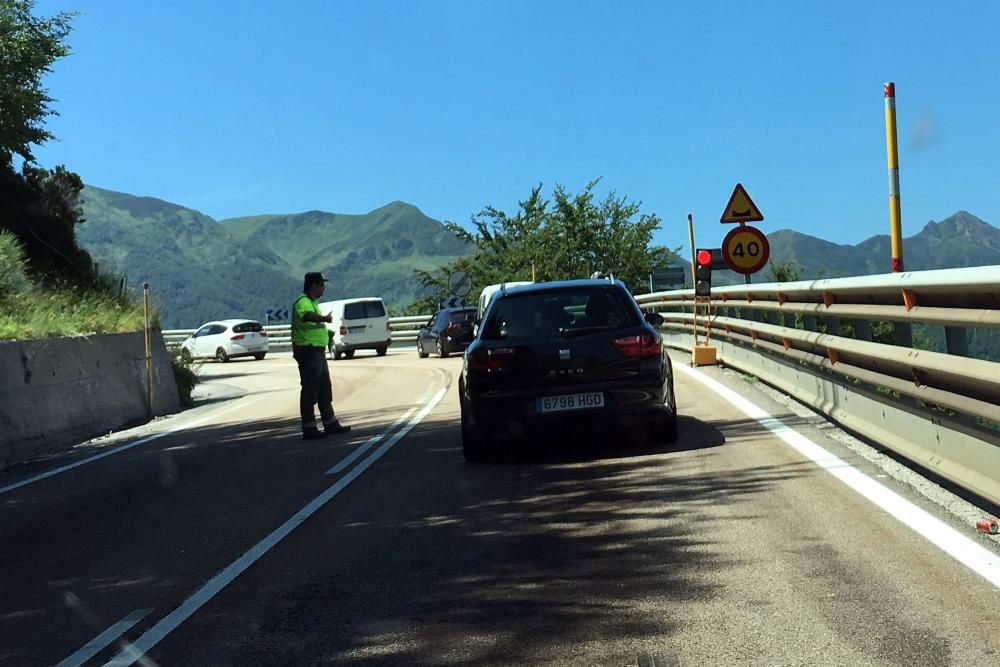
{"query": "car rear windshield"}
{"type": "Point", "coordinates": [247, 327]}
{"type": "Point", "coordinates": [362, 310]}
{"type": "Point", "coordinates": [563, 313]}
{"type": "Point", "coordinates": [462, 315]}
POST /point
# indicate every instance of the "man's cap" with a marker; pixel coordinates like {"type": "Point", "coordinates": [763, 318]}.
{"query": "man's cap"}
{"type": "Point", "coordinates": [314, 279]}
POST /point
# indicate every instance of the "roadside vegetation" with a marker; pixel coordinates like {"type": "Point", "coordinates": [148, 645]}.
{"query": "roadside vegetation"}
{"type": "Point", "coordinates": [49, 285]}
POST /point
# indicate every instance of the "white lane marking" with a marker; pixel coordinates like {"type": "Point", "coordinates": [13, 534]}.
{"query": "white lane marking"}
{"type": "Point", "coordinates": [978, 559]}
{"type": "Point", "coordinates": [213, 586]}
{"type": "Point", "coordinates": [122, 448]}
{"type": "Point", "coordinates": [103, 640]}
{"type": "Point", "coordinates": [353, 456]}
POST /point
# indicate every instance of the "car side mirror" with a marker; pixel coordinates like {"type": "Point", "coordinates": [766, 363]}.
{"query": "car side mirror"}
{"type": "Point", "coordinates": [655, 319]}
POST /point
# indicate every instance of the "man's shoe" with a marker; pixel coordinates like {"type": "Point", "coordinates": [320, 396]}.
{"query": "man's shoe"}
{"type": "Point", "coordinates": [313, 434]}
{"type": "Point", "coordinates": [336, 428]}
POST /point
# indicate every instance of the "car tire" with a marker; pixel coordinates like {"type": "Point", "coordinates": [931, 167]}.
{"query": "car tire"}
{"type": "Point", "coordinates": [349, 354]}
{"type": "Point", "coordinates": [475, 445]}
{"type": "Point", "coordinates": [221, 356]}
{"type": "Point", "coordinates": [440, 349]}
{"type": "Point", "coordinates": [259, 356]}
{"type": "Point", "coordinates": [420, 351]}
{"type": "Point", "coordinates": [665, 429]}
{"type": "Point", "coordinates": [381, 351]}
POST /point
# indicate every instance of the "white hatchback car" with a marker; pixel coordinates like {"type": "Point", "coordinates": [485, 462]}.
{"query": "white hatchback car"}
{"type": "Point", "coordinates": [226, 339]}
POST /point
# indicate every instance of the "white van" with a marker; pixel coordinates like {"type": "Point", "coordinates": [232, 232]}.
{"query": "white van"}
{"type": "Point", "coordinates": [358, 324]}
{"type": "Point", "coordinates": [489, 291]}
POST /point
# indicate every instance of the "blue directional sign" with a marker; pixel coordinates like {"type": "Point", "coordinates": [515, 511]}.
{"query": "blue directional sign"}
{"type": "Point", "coordinates": [276, 314]}
{"type": "Point", "coordinates": [452, 302]}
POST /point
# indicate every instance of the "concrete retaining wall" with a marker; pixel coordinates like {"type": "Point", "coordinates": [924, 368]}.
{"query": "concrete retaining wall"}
{"type": "Point", "coordinates": [57, 390]}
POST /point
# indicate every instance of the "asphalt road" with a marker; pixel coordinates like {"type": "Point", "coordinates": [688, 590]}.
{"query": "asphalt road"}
{"type": "Point", "coordinates": [233, 542]}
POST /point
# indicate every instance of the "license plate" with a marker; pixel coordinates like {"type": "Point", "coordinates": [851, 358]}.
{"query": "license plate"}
{"type": "Point", "coordinates": [357, 329]}
{"type": "Point", "coordinates": [547, 404]}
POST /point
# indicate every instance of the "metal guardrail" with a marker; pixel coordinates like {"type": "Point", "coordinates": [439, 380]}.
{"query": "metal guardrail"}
{"type": "Point", "coordinates": [816, 340]}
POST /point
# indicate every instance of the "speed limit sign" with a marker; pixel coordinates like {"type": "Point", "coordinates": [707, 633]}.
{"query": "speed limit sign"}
{"type": "Point", "coordinates": [745, 249]}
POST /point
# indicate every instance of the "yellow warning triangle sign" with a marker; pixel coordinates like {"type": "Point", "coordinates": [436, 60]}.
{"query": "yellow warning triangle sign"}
{"type": "Point", "coordinates": [741, 208]}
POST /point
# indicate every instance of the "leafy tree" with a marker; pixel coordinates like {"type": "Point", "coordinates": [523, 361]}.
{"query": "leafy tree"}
{"type": "Point", "coordinates": [28, 47]}
{"type": "Point", "coordinates": [571, 236]}
{"type": "Point", "coordinates": [787, 272]}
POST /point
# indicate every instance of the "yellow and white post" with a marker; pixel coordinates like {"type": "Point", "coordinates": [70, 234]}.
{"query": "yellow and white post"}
{"type": "Point", "coordinates": [149, 350]}
{"type": "Point", "coordinates": [892, 153]}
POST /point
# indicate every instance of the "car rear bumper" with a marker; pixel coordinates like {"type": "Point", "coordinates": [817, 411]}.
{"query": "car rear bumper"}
{"type": "Point", "coordinates": [515, 414]}
{"type": "Point", "coordinates": [346, 346]}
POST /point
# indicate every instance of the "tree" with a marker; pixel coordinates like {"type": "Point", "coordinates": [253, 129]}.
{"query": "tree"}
{"type": "Point", "coordinates": [570, 237]}
{"type": "Point", "coordinates": [787, 272]}
{"type": "Point", "coordinates": [28, 47]}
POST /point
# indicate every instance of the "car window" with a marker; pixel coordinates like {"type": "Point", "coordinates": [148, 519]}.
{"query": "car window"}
{"type": "Point", "coordinates": [462, 315]}
{"type": "Point", "coordinates": [202, 331]}
{"type": "Point", "coordinates": [552, 314]}
{"type": "Point", "coordinates": [374, 309]}
{"type": "Point", "coordinates": [434, 320]}
{"type": "Point", "coordinates": [216, 329]}
{"type": "Point", "coordinates": [247, 327]}
{"type": "Point", "coordinates": [360, 310]}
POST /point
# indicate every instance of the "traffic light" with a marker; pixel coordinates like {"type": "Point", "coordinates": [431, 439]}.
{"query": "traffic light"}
{"type": "Point", "coordinates": [703, 273]}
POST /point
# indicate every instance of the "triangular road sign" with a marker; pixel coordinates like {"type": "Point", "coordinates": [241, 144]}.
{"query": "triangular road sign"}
{"type": "Point", "coordinates": [741, 208]}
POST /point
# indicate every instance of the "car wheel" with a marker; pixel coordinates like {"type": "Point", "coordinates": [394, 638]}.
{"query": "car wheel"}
{"type": "Point", "coordinates": [259, 356]}
{"type": "Point", "coordinates": [440, 349]}
{"type": "Point", "coordinates": [220, 355]}
{"type": "Point", "coordinates": [349, 354]}
{"type": "Point", "coordinates": [381, 351]}
{"type": "Point", "coordinates": [475, 446]}
{"type": "Point", "coordinates": [420, 351]}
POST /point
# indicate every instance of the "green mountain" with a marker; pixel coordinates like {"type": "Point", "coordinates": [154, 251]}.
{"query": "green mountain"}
{"type": "Point", "coordinates": [199, 269]}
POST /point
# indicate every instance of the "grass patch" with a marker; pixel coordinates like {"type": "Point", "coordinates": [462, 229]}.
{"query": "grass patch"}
{"type": "Point", "coordinates": [64, 312]}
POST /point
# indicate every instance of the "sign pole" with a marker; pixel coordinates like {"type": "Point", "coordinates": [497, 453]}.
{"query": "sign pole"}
{"type": "Point", "coordinates": [149, 350]}
{"type": "Point", "coordinates": [694, 305]}
{"type": "Point", "coordinates": [892, 155]}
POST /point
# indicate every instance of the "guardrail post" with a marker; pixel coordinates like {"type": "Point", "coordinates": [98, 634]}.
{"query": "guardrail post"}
{"type": "Point", "coordinates": [863, 330]}
{"type": "Point", "coordinates": [956, 341]}
{"type": "Point", "coordinates": [902, 334]}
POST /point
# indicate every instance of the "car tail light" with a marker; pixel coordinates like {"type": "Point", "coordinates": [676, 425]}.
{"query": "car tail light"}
{"type": "Point", "coordinates": [343, 331]}
{"type": "Point", "coordinates": [640, 345]}
{"type": "Point", "coordinates": [453, 329]}
{"type": "Point", "coordinates": [263, 333]}
{"type": "Point", "coordinates": [496, 359]}
{"type": "Point", "coordinates": [240, 337]}
{"type": "Point", "coordinates": [387, 327]}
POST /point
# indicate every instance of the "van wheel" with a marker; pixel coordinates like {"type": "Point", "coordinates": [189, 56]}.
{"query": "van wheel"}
{"type": "Point", "coordinates": [381, 351]}
{"type": "Point", "coordinates": [259, 356]}
{"type": "Point", "coordinates": [349, 354]}
{"type": "Point", "coordinates": [220, 355]}
{"type": "Point", "coordinates": [337, 354]}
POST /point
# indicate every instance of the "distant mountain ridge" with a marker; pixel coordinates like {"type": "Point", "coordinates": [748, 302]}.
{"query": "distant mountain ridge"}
{"type": "Point", "coordinates": [201, 269]}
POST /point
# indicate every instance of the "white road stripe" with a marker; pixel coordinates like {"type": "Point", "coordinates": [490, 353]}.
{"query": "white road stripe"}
{"type": "Point", "coordinates": [353, 456]}
{"type": "Point", "coordinates": [103, 640]}
{"type": "Point", "coordinates": [122, 448]}
{"type": "Point", "coordinates": [210, 589]}
{"type": "Point", "coordinates": [977, 558]}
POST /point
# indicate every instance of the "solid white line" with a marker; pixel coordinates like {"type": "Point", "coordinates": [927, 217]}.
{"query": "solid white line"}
{"type": "Point", "coordinates": [211, 588]}
{"type": "Point", "coordinates": [103, 640]}
{"type": "Point", "coordinates": [978, 559]}
{"type": "Point", "coordinates": [353, 456]}
{"type": "Point", "coordinates": [122, 448]}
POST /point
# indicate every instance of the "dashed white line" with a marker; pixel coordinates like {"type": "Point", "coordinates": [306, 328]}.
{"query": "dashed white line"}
{"type": "Point", "coordinates": [978, 559]}
{"type": "Point", "coordinates": [356, 454]}
{"type": "Point", "coordinates": [103, 640]}
{"type": "Point", "coordinates": [213, 586]}
{"type": "Point", "coordinates": [122, 448]}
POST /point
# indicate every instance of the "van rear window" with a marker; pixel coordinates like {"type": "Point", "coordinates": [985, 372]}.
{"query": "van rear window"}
{"type": "Point", "coordinates": [362, 310]}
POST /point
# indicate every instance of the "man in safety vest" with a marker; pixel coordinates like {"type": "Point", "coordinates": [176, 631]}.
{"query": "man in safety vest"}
{"type": "Point", "coordinates": [309, 341]}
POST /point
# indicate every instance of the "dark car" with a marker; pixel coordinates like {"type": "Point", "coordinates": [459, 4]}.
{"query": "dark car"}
{"type": "Point", "coordinates": [448, 332]}
{"type": "Point", "coordinates": [577, 351]}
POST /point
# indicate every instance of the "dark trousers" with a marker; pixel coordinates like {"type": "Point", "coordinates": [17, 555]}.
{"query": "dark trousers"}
{"type": "Point", "coordinates": [314, 374]}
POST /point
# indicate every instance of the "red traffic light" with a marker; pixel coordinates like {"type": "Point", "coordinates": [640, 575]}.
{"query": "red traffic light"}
{"type": "Point", "coordinates": [704, 258]}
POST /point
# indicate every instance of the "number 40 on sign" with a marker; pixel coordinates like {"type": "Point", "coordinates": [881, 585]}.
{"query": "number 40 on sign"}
{"type": "Point", "coordinates": [745, 249]}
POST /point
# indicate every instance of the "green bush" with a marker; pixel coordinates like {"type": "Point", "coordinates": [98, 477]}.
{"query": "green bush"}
{"type": "Point", "coordinates": [185, 374]}
{"type": "Point", "coordinates": [13, 277]}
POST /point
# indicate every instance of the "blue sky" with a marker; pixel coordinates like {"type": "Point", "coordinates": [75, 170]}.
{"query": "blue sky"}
{"type": "Point", "coordinates": [240, 108]}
